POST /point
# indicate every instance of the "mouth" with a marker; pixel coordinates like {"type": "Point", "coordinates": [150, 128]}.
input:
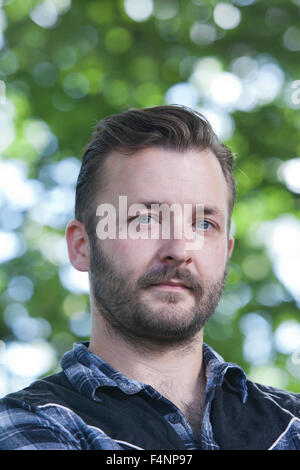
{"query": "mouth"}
{"type": "Point", "coordinates": [172, 285]}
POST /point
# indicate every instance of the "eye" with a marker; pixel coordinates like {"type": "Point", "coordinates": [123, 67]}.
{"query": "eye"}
{"type": "Point", "coordinates": [146, 219]}
{"type": "Point", "coordinates": [203, 224]}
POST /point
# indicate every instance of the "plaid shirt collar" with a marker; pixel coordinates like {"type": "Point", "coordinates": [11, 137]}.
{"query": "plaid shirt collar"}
{"type": "Point", "coordinates": [87, 372]}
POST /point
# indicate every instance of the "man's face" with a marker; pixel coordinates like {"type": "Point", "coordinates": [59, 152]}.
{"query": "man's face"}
{"type": "Point", "coordinates": [127, 275]}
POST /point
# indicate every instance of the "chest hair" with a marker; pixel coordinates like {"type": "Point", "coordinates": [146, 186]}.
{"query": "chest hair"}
{"type": "Point", "coordinates": [194, 416]}
{"type": "Point", "coordinates": [192, 409]}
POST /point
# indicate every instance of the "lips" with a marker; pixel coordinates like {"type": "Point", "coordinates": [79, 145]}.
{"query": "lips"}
{"type": "Point", "coordinates": [174, 284]}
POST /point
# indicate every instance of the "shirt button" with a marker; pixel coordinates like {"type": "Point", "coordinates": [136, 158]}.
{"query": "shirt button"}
{"type": "Point", "coordinates": [174, 418]}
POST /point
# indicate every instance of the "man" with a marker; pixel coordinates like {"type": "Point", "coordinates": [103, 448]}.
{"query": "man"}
{"type": "Point", "coordinates": [146, 380]}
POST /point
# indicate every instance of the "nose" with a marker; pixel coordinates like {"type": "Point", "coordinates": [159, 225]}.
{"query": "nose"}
{"type": "Point", "coordinates": [174, 252]}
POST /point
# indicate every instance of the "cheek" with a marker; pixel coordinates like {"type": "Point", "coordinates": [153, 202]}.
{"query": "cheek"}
{"type": "Point", "coordinates": [212, 258]}
{"type": "Point", "coordinates": [129, 254]}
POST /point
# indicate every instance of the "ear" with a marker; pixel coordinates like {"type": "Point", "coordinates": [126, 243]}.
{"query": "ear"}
{"type": "Point", "coordinates": [230, 246]}
{"type": "Point", "coordinates": [78, 245]}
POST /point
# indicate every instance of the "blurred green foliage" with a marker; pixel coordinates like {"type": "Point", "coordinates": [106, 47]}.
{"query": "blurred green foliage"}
{"type": "Point", "coordinates": [64, 72]}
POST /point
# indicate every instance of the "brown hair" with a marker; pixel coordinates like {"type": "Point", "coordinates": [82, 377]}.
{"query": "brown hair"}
{"type": "Point", "coordinates": [176, 128]}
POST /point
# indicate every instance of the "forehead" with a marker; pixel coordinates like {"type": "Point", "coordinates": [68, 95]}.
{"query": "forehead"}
{"type": "Point", "coordinates": [156, 174]}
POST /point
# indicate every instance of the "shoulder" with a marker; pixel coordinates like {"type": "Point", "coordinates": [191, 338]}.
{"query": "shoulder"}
{"type": "Point", "coordinates": [249, 415]}
{"type": "Point", "coordinates": [25, 424]}
{"type": "Point", "coordinates": [285, 399]}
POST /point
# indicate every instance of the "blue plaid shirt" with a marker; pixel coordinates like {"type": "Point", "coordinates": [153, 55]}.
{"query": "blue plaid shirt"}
{"type": "Point", "coordinates": [52, 426]}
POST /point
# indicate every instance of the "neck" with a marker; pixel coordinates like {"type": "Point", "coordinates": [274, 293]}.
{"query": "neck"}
{"type": "Point", "coordinates": [162, 368]}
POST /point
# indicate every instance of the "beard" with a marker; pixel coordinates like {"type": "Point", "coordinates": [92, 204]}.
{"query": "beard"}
{"type": "Point", "coordinates": [119, 300]}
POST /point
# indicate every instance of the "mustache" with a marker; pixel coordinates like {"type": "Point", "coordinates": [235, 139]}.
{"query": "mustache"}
{"type": "Point", "coordinates": [166, 274]}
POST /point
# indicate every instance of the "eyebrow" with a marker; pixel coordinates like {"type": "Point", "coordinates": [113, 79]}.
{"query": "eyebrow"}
{"type": "Point", "coordinates": [208, 210]}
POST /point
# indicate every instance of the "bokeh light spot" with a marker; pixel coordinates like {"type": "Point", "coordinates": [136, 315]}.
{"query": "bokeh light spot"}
{"type": "Point", "coordinates": [76, 85]}
{"type": "Point", "coordinates": [138, 10]}
{"type": "Point", "coordinates": [118, 40]}
{"type": "Point", "coordinates": [226, 16]}
{"type": "Point", "coordinates": [20, 288]}
{"type": "Point", "coordinates": [80, 324]}
{"type": "Point", "coordinates": [203, 33]}
{"type": "Point", "coordinates": [65, 57]}
{"type": "Point", "coordinates": [225, 89]}
{"type": "Point", "coordinates": [66, 171]}
{"type": "Point", "coordinates": [45, 74]}
{"type": "Point", "coordinates": [9, 63]}
{"type": "Point", "coordinates": [11, 245]}
{"type": "Point", "coordinates": [291, 39]}
{"type": "Point", "coordinates": [44, 14]}
{"type": "Point", "coordinates": [29, 359]}
{"type": "Point", "coordinates": [165, 9]}
{"type": "Point", "coordinates": [75, 281]}
{"type": "Point", "coordinates": [183, 93]}
{"type": "Point", "coordinates": [289, 172]}
{"type": "Point", "coordinates": [287, 337]}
